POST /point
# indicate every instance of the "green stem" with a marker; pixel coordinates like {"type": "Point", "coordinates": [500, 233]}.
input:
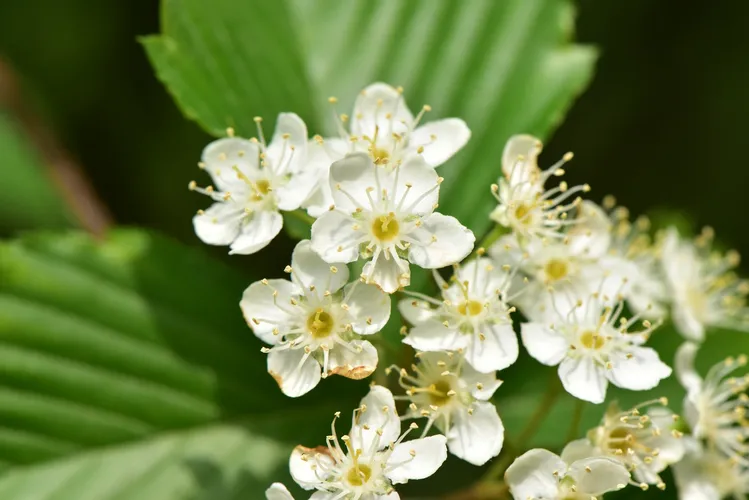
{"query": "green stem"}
{"type": "Point", "coordinates": [575, 422]}
{"type": "Point", "coordinates": [302, 216]}
{"type": "Point", "coordinates": [496, 233]}
{"type": "Point", "coordinates": [539, 415]}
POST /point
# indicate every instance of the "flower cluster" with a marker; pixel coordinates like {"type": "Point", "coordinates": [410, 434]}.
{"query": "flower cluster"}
{"type": "Point", "coordinates": [591, 286]}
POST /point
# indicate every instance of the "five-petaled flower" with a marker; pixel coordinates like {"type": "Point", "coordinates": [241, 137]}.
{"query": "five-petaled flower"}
{"type": "Point", "coordinates": [387, 217]}
{"type": "Point", "coordinates": [374, 455]}
{"type": "Point", "coordinates": [454, 398]}
{"type": "Point", "coordinates": [253, 182]}
{"type": "Point", "coordinates": [384, 128]}
{"type": "Point", "coordinates": [314, 322]}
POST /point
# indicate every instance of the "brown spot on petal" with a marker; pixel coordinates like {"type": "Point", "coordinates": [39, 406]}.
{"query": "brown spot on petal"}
{"type": "Point", "coordinates": [323, 450]}
{"type": "Point", "coordinates": [277, 378]}
{"type": "Point", "coordinates": [354, 373]}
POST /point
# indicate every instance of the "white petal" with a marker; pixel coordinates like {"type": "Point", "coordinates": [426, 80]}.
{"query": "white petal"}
{"type": "Point", "coordinates": [278, 491]}
{"type": "Point", "coordinates": [442, 241]}
{"type": "Point", "coordinates": [323, 495]}
{"type": "Point", "coordinates": [424, 193]}
{"type": "Point", "coordinates": [416, 459]}
{"type": "Point", "coordinates": [292, 195]}
{"type": "Point", "coordinates": [475, 379]}
{"type": "Point", "coordinates": [441, 139]}
{"type": "Point", "coordinates": [547, 346]}
{"type": "Point", "coordinates": [476, 437]}
{"type": "Point", "coordinates": [432, 336]}
{"type": "Point", "coordinates": [221, 157]}
{"type": "Point", "coordinates": [393, 495]}
{"type": "Point", "coordinates": [303, 471]}
{"type": "Point", "coordinates": [497, 351]}
{"type": "Point", "coordinates": [520, 160]}
{"type": "Point", "coordinates": [257, 233]}
{"type": "Point", "coordinates": [368, 306]}
{"type": "Point", "coordinates": [671, 449]}
{"type": "Point", "coordinates": [578, 449]}
{"type": "Point", "coordinates": [483, 276]}
{"type": "Point", "coordinates": [534, 475]}
{"type": "Point", "coordinates": [583, 379]}
{"type": "Point", "coordinates": [372, 107]}
{"type": "Point", "coordinates": [308, 269]}
{"type": "Point", "coordinates": [415, 311]}
{"type": "Point", "coordinates": [351, 177]}
{"type": "Point", "coordinates": [219, 224]}
{"type": "Point", "coordinates": [295, 374]}
{"type": "Point", "coordinates": [334, 238]}
{"type": "Point", "coordinates": [389, 273]}
{"type": "Point", "coordinates": [595, 476]}
{"type": "Point", "coordinates": [684, 363]}
{"type": "Point", "coordinates": [380, 415]}
{"type": "Point", "coordinates": [355, 363]}
{"type": "Point", "coordinates": [687, 323]}
{"type": "Point", "coordinates": [642, 371]}
{"type": "Point", "coordinates": [261, 313]}
{"type": "Point", "coordinates": [319, 159]}
{"type": "Point", "coordinates": [592, 236]}
{"type": "Point", "coordinates": [288, 155]}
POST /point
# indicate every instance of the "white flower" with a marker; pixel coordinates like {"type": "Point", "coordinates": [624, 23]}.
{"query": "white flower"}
{"type": "Point", "coordinates": [715, 407]}
{"type": "Point", "coordinates": [372, 458]}
{"type": "Point", "coordinates": [592, 347]}
{"type": "Point", "coordinates": [646, 292]}
{"type": "Point", "coordinates": [646, 444]}
{"type": "Point", "coordinates": [524, 205]}
{"type": "Point", "coordinates": [575, 265]}
{"type": "Point", "coordinates": [278, 491]}
{"type": "Point", "coordinates": [383, 128]}
{"type": "Point", "coordinates": [708, 475]}
{"type": "Point", "coordinates": [473, 317]}
{"type": "Point", "coordinates": [455, 399]}
{"type": "Point", "coordinates": [704, 289]}
{"type": "Point", "coordinates": [541, 475]}
{"type": "Point", "coordinates": [388, 215]}
{"type": "Point", "coordinates": [252, 183]}
{"type": "Point", "coordinates": [313, 322]}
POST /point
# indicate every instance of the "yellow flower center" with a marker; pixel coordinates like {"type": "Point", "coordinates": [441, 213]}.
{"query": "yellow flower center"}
{"type": "Point", "coordinates": [260, 189]}
{"type": "Point", "coordinates": [320, 324]}
{"type": "Point", "coordinates": [556, 269]}
{"type": "Point", "coordinates": [621, 441]}
{"type": "Point", "coordinates": [438, 392]}
{"type": "Point", "coordinates": [592, 340]}
{"type": "Point", "coordinates": [521, 213]}
{"type": "Point", "coordinates": [359, 475]}
{"type": "Point", "coordinates": [470, 308]}
{"type": "Point", "coordinates": [380, 156]}
{"type": "Point", "coordinates": [386, 227]}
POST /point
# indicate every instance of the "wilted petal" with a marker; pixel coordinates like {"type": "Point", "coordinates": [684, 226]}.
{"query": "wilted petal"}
{"type": "Point", "coordinates": [304, 468]}
{"type": "Point", "coordinates": [356, 362]}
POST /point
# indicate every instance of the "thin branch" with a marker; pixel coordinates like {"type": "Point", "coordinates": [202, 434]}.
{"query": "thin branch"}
{"type": "Point", "coordinates": [67, 176]}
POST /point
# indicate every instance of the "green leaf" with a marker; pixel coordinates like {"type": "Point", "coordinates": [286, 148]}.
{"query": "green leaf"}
{"type": "Point", "coordinates": [126, 370]}
{"type": "Point", "coordinates": [29, 199]}
{"type": "Point", "coordinates": [505, 67]}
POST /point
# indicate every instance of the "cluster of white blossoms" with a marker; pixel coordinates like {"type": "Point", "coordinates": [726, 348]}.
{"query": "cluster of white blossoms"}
{"type": "Point", "coordinates": [591, 285]}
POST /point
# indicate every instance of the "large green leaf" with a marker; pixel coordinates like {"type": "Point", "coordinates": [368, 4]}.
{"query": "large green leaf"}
{"type": "Point", "coordinates": [126, 369]}
{"type": "Point", "coordinates": [504, 66]}
{"type": "Point", "coordinates": [29, 199]}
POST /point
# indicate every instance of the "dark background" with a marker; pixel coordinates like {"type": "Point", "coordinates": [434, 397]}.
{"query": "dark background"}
{"type": "Point", "coordinates": [661, 126]}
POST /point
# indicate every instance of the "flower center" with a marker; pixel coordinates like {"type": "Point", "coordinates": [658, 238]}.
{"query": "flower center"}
{"type": "Point", "coordinates": [621, 441]}
{"type": "Point", "coordinates": [320, 324]}
{"type": "Point", "coordinates": [592, 340]}
{"type": "Point", "coordinates": [359, 475]}
{"type": "Point", "coordinates": [470, 308]}
{"type": "Point", "coordinates": [438, 393]}
{"type": "Point", "coordinates": [386, 227]}
{"type": "Point", "coordinates": [556, 269]}
{"type": "Point", "coordinates": [260, 189]}
{"type": "Point", "coordinates": [521, 213]}
{"type": "Point", "coordinates": [380, 156]}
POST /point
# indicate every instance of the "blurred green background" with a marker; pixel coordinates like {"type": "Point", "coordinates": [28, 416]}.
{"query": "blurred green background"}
{"type": "Point", "coordinates": [661, 126]}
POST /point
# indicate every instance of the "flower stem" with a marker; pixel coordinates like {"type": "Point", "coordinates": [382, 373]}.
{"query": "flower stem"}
{"type": "Point", "coordinates": [534, 422]}
{"type": "Point", "coordinates": [302, 216]}
{"type": "Point", "coordinates": [575, 422]}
